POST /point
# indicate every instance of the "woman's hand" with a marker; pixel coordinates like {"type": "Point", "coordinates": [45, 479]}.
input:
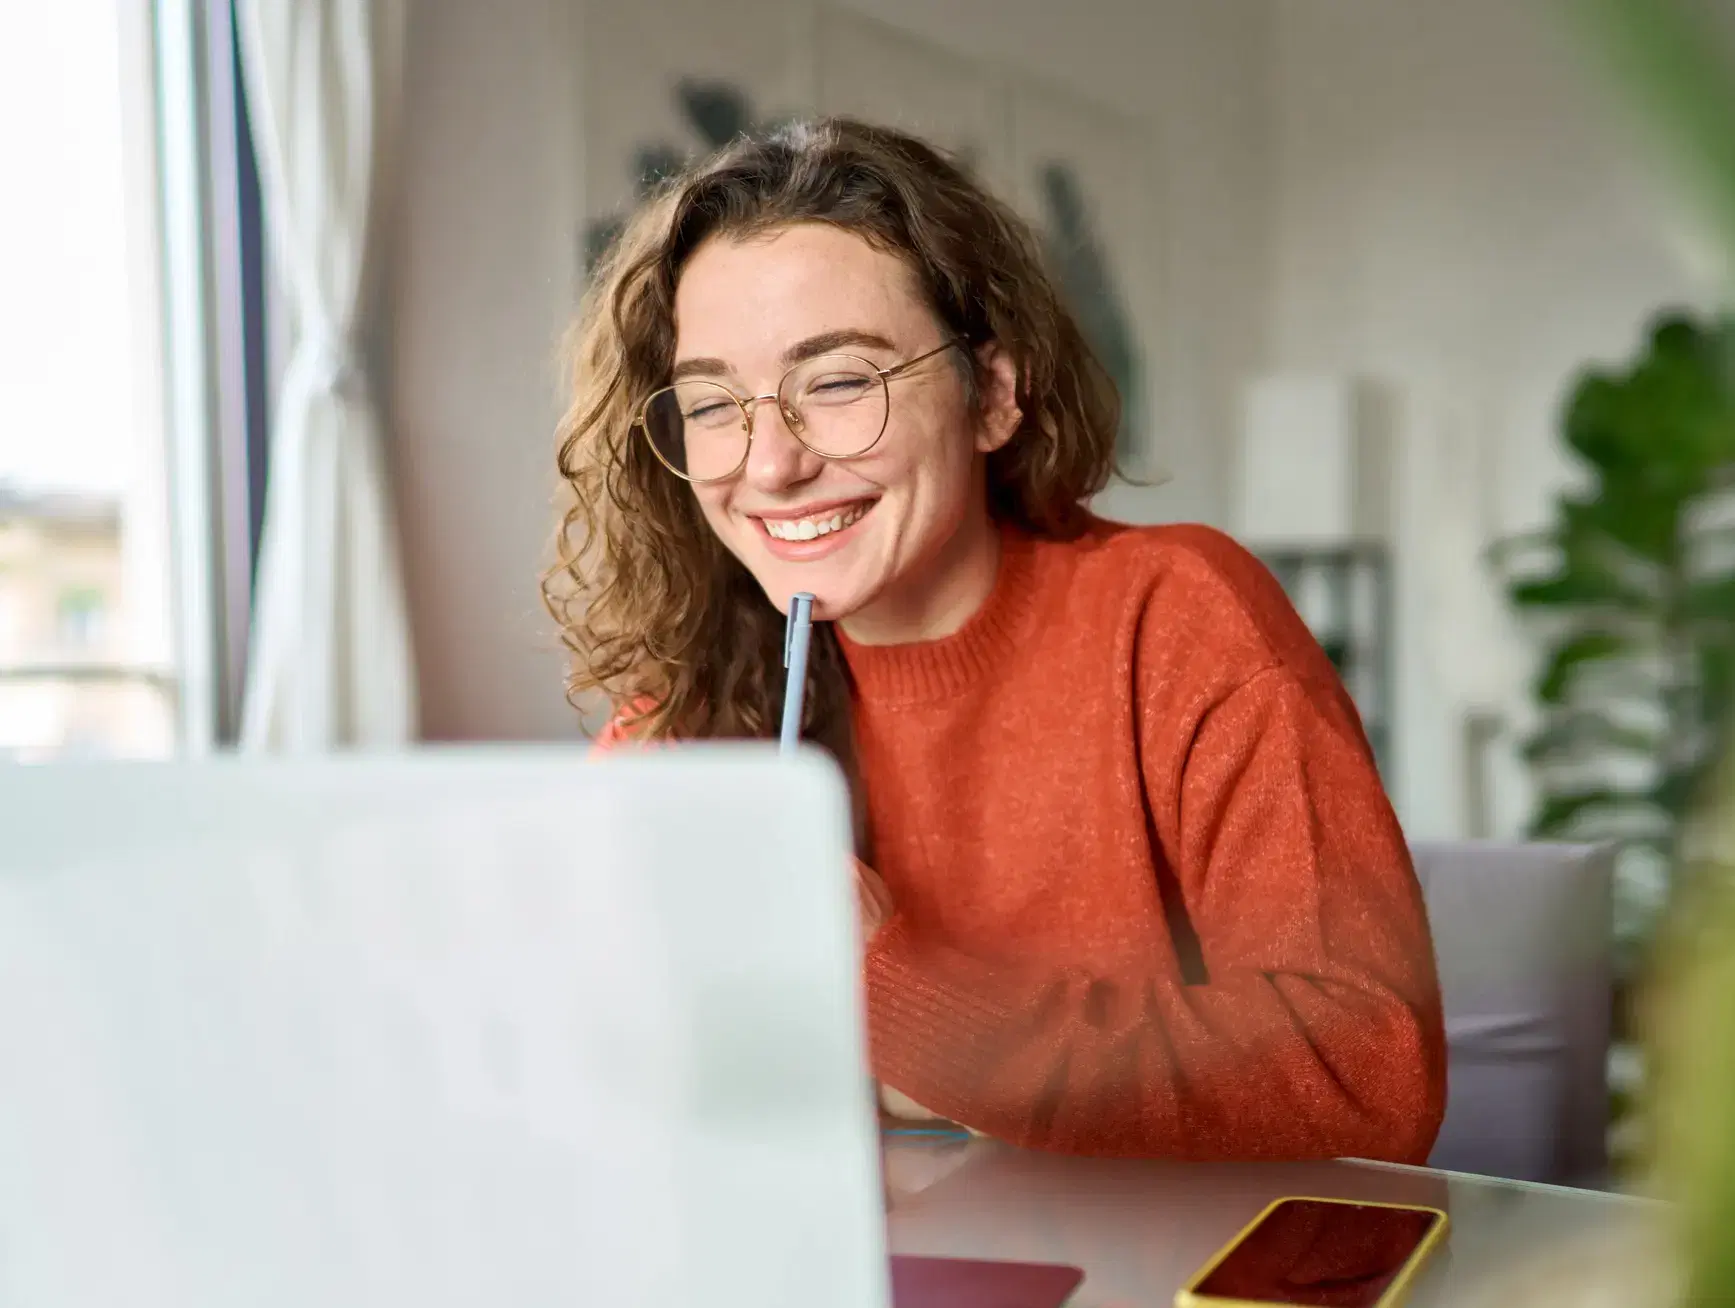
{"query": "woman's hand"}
{"type": "Point", "coordinates": [874, 901]}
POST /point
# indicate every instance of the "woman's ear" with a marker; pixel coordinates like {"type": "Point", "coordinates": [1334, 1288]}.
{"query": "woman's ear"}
{"type": "Point", "coordinates": [998, 412]}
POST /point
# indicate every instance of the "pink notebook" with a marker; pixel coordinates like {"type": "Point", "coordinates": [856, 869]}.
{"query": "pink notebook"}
{"type": "Point", "coordinates": [966, 1283]}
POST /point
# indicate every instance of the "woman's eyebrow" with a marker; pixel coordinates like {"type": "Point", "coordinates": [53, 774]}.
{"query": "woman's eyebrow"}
{"type": "Point", "coordinates": [810, 348]}
{"type": "Point", "coordinates": [831, 342]}
{"type": "Point", "coordinates": [699, 368]}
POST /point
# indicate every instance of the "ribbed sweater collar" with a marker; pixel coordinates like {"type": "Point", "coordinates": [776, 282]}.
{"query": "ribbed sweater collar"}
{"type": "Point", "coordinates": [971, 656]}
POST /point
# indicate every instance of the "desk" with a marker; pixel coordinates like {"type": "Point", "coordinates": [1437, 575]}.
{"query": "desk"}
{"type": "Point", "coordinates": [1140, 1229]}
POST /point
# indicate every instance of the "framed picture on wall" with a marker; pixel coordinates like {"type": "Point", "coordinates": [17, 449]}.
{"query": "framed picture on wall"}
{"type": "Point", "coordinates": [874, 72]}
{"type": "Point", "coordinates": [1087, 177]}
{"type": "Point", "coordinates": [665, 80]}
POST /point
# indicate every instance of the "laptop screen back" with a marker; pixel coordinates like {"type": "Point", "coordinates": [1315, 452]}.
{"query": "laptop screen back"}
{"type": "Point", "coordinates": [438, 1030]}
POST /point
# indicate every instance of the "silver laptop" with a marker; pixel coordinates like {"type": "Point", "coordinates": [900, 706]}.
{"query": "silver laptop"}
{"type": "Point", "coordinates": [497, 1028]}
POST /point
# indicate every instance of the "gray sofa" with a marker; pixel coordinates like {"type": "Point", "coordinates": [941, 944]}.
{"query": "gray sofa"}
{"type": "Point", "coordinates": [1522, 934]}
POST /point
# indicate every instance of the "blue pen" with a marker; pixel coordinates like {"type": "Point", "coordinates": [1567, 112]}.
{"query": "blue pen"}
{"type": "Point", "coordinates": [796, 636]}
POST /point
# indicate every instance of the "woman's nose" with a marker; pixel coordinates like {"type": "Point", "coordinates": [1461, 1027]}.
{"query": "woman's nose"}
{"type": "Point", "coordinates": [777, 459]}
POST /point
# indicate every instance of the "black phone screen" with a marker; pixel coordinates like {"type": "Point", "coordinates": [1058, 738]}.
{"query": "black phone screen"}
{"type": "Point", "coordinates": [1307, 1251]}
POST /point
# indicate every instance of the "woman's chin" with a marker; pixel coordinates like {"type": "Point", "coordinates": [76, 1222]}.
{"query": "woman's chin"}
{"type": "Point", "coordinates": [828, 606]}
{"type": "Point", "coordinates": [834, 599]}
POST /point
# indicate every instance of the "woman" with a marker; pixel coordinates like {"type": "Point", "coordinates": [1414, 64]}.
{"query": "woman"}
{"type": "Point", "coordinates": [1130, 884]}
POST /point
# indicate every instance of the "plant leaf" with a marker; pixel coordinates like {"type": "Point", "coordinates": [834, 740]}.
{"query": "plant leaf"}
{"type": "Point", "coordinates": [1573, 735]}
{"type": "Point", "coordinates": [1670, 57]}
{"type": "Point", "coordinates": [1568, 659]}
{"type": "Point", "coordinates": [1561, 814]}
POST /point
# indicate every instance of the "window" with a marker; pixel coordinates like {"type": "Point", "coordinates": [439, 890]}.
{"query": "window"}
{"type": "Point", "coordinates": [121, 629]}
{"type": "Point", "coordinates": [82, 609]}
{"type": "Point", "coordinates": [85, 620]}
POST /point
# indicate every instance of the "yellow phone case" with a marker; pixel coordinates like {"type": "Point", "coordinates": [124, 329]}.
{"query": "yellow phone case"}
{"type": "Point", "coordinates": [1395, 1293]}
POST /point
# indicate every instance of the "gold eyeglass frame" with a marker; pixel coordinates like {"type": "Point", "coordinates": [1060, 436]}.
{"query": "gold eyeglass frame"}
{"type": "Point", "coordinates": [791, 420]}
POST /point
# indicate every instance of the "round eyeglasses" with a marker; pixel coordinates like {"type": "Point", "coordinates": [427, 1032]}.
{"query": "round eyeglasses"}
{"type": "Point", "coordinates": [835, 404]}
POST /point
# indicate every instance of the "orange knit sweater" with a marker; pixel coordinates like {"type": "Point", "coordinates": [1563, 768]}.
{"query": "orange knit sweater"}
{"type": "Point", "coordinates": [1151, 899]}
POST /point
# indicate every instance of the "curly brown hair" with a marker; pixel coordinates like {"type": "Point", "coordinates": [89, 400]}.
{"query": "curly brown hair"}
{"type": "Point", "coordinates": [657, 614]}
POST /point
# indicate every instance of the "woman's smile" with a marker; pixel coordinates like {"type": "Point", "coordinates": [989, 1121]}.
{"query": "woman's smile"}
{"type": "Point", "coordinates": [812, 531]}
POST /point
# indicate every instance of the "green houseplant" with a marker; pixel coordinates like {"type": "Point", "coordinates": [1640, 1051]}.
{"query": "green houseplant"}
{"type": "Point", "coordinates": [1635, 686]}
{"type": "Point", "coordinates": [1676, 59]}
{"type": "Point", "coordinates": [1633, 588]}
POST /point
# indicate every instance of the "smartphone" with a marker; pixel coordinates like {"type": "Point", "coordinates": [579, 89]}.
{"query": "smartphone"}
{"type": "Point", "coordinates": [1335, 1253]}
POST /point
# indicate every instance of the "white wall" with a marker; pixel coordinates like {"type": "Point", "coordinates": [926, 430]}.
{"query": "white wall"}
{"type": "Point", "coordinates": [483, 283]}
{"type": "Point", "coordinates": [1458, 217]}
{"type": "Point", "coordinates": [486, 262]}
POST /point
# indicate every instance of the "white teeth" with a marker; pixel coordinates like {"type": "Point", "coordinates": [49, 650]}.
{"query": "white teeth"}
{"type": "Point", "coordinates": [809, 528]}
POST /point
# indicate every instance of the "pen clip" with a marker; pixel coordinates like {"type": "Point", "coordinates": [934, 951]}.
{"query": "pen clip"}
{"type": "Point", "coordinates": [789, 633]}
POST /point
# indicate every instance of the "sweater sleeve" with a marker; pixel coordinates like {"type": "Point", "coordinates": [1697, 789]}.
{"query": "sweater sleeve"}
{"type": "Point", "coordinates": [1316, 1031]}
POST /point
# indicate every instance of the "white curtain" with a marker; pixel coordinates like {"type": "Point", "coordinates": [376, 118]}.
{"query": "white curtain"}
{"type": "Point", "coordinates": [329, 662]}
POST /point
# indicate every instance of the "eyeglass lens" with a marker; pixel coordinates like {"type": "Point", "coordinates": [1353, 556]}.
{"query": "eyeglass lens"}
{"type": "Point", "coordinates": [835, 405]}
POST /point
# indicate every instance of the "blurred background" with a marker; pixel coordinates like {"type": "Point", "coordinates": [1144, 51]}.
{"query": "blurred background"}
{"type": "Point", "coordinates": [1421, 301]}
